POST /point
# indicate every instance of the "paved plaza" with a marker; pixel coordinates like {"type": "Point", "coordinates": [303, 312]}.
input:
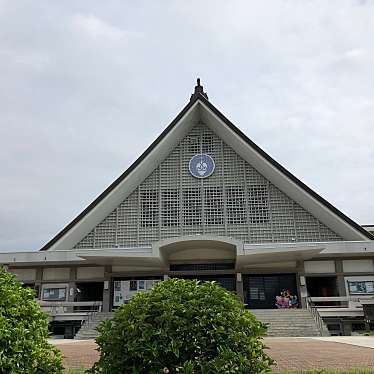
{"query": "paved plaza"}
{"type": "Point", "coordinates": [292, 354]}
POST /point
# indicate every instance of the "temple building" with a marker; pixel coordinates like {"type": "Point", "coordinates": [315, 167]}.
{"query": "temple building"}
{"type": "Point", "coordinates": [205, 202]}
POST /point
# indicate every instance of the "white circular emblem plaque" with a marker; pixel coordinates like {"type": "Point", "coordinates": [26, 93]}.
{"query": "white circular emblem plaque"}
{"type": "Point", "coordinates": [201, 166]}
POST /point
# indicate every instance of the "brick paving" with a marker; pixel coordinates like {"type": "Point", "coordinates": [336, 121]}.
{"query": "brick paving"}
{"type": "Point", "coordinates": [290, 354]}
{"type": "Point", "coordinates": [79, 354]}
{"type": "Point", "coordinates": [307, 354]}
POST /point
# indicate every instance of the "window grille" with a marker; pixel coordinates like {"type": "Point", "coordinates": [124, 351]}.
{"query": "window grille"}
{"type": "Point", "coordinates": [213, 206]}
{"type": "Point", "coordinates": [149, 208]}
{"type": "Point", "coordinates": [258, 204]}
{"type": "Point", "coordinates": [170, 207]}
{"type": "Point", "coordinates": [202, 267]}
{"type": "Point", "coordinates": [207, 143]}
{"type": "Point", "coordinates": [235, 201]}
{"type": "Point", "coordinates": [191, 207]}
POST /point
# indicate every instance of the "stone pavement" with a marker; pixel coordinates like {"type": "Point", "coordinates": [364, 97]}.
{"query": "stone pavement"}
{"type": "Point", "coordinates": [297, 354]}
{"type": "Point", "coordinates": [361, 341]}
{"type": "Point", "coordinates": [78, 354]}
{"type": "Point", "coordinates": [293, 354]}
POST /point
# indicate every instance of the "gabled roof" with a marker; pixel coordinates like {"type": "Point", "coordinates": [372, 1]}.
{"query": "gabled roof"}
{"type": "Point", "coordinates": [200, 107]}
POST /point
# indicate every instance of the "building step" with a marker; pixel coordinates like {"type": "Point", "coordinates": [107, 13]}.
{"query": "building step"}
{"type": "Point", "coordinates": [289, 322]}
{"type": "Point", "coordinates": [88, 329]}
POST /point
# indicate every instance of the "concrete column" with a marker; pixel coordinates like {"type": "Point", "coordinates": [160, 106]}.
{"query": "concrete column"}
{"type": "Point", "coordinates": [340, 282]}
{"type": "Point", "coordinates": [340, 278]}
{"type": "Point", "coordinates": [166, 277]}
{"type": "Point", "coordinates": [107, 289]}
{"type": "Point", "coordinates": [347, 328]}
{"type": "Point", "coordinates": [239, 286]}
{"type": "Point", "coordinates": [71, 288]}
{"type": "Point", "coordinates": [72, 285]}
{"type": "Point", "coordinates": [38, 281]}
{"type": "Point", "coordinates": [301, 283]}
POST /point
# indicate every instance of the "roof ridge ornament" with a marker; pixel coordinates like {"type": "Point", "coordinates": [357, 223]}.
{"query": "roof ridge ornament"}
{"type": "Point", "coordinates": [199, 90]}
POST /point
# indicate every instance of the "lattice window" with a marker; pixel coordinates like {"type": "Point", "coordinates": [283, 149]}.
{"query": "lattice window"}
{"type": "Point", "coordinates": [193, 144]}
{"type": "Point", "coordinates": [170, 207]}
{"type": "Point", "coordinates": [105, 232]}
{"type": "Point", "coordinates": [214, 206]}
{"type": "Point", "coordinates": [191, 206]}
{"type": "Point", "coordinates": [207, 143]}
{"type": "Point", "coordinates": [235, 202]}
{"type": "Point", "coordinates": [149, 208]}
{"type": "Point", "coordinates": [258, 204]}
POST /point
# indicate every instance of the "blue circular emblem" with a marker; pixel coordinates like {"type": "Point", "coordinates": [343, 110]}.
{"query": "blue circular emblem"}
{"type": "Point", "coordinates": [201, 166]}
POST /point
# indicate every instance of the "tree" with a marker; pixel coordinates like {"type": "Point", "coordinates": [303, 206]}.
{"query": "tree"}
{"type": "Point", "coordinates": [23, 332]}
{"type": "Point", "coordinates": [182, 326]}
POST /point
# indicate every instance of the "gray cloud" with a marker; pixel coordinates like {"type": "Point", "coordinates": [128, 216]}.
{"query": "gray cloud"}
{"type": "Point", "coordinates": [86, 86]}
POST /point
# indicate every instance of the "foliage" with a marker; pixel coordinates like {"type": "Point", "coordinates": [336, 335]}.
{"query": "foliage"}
{"type": "Point", "coordinates": [23, 332]}
{"type": "Point", "coordinates": [182, 326]}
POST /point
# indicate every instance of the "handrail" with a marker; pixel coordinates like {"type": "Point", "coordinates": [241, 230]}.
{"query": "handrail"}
{"type": "Point", "coordinates": [91, 314]}
{"type": "Point", "coordinates": [340, 298]}
{"type": "Point", "coordinates": [61, 307]}
{"type": "Point", "coordinates": [317, 318]}
{"type": "Point", "coordinates": [69, 303]}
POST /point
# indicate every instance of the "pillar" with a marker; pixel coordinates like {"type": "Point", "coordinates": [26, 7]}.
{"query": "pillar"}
{"type": "Point", "coordinates": [38, 282]}
{"type": "Point", "coordinates": [72, 284]}
{"type": "Point", "coordinates": [301, 283]}
{"type": "Point", "coordinates": [107, 289]}
{"type": "Point", "coordinates": [239, 286]}
{"type": "Point", "coordinates": [340, 283]}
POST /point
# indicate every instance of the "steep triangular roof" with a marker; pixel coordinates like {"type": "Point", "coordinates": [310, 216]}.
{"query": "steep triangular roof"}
{"type": "Point", "coordinates": [199, 108]}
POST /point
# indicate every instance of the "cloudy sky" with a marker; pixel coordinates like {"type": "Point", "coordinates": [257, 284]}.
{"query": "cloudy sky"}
{"type": "Point", "coordinates": [86, 86]}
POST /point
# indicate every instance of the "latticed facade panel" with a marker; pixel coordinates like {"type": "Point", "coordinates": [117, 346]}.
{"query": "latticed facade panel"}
{"type": "Point", "coordinates": [235, 201]}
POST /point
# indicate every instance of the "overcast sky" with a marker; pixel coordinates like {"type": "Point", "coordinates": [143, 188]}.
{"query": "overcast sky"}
{"type": "Point", "coordinates": [86, 86]}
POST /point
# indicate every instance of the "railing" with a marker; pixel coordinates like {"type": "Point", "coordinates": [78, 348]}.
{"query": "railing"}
{"type": "Point", "coordinates": [316, 316]}
{"type": "Point", "coordinates": [61, 307]}
{"type": "Point", "coordinates": [92, 313]}
{"type": "Point", "coordinates": [336, 299]}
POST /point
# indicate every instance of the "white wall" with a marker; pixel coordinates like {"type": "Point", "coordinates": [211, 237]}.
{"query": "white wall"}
{"type": "Point", "coordinates": [358, 266]}
{"type": "Point", "coordinates": [319, 267]}
{"type": "Point", "coordinates": [90, 272]}
{"type": "Point", "coordinates": [52, 274]}
{"type": "Point", "coordinates": [24, 274]}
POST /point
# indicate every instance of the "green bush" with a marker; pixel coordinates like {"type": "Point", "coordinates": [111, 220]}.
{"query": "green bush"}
{"type": "Point", "coordinates": [23, 332]}
{"type": "Point", "coordinates": [182, 326]}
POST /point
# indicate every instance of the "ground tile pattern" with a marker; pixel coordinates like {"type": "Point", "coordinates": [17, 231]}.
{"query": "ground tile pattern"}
{"type": "Point", "coordinates": [79, 354]}
{"type": "Point", "coordinates": [306, 354]}
{"type": "Point", "coordinates": [292, 354]}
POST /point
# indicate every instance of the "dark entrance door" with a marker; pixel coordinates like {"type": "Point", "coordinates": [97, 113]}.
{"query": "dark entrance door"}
{"type": "Point", "coordinates": [226, 281]}
{"type": "Point", "coordinates": [260, 291]}
{"type": "Point", "coordinates": [207, 272]}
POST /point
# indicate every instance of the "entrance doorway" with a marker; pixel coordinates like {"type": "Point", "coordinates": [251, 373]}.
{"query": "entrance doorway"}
{"type": "Point", "coordinates": [260, 291]}
{"type": "Point", "coordinates": [207, 272]}
{"type": "Point", "coordinates": [226, 280]}
{"type": "Point", "coordinates": [321, 286]}
{"type": "Point", "coordinates": [89, 291]}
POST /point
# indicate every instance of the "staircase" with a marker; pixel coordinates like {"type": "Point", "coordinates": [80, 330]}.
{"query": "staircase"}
{"type": "Point", "coordinates": [281, 322]}
{"type": "Point", "coordinates": [88, 329]}
{"type": "Point", "coordinates": [290, 322]}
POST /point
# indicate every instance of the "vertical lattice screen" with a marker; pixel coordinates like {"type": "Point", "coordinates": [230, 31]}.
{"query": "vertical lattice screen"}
{"type": "Point", "coordinates": [234, 201]}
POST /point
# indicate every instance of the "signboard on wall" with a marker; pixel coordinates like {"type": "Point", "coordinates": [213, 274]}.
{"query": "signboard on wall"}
{"type": "Point", "coordinates": [361, 287]}
{"type": "Point", "coordinates": [126, 290]}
